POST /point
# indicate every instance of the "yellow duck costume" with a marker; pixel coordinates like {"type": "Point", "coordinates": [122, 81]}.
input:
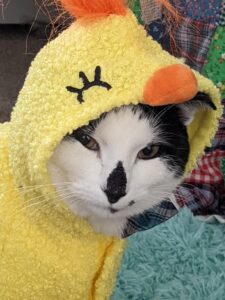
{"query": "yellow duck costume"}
{"type": "Point", "coordinates": [102, 61]}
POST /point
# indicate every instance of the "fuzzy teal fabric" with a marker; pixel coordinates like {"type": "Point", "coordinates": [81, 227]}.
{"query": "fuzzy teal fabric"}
{"type": "Point", "coordinates": [181, 259]}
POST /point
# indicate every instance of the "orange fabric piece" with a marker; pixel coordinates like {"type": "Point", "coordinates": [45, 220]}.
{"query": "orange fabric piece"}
{"type": "Point", "coordinates": [169, 7]}
{"type": "Point", "coordinates": [94, 8]}
{"type": "Point", "coordinates": [170, 85]}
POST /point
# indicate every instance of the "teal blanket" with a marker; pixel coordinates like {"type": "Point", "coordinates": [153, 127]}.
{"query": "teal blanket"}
{"type": "Point", "coordinates": [181, 259]}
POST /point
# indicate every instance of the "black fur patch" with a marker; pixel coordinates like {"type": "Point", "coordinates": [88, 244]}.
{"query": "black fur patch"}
{"type": "Point", "coordinates": [116, 184]}
{"type": "Point", "coordinates": [202, 99]}
{"type": "Point", "coordinates": [174, 150]}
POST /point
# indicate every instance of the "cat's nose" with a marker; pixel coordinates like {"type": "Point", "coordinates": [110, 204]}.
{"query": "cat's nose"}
{"type": "Point", "coordinates": [116, 184]}
{"type": "Point", "coordinates": [114, 196]}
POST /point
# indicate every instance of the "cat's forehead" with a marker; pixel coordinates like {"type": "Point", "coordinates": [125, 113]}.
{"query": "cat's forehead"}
{"type": "Point", "coordinates": [125, 124]}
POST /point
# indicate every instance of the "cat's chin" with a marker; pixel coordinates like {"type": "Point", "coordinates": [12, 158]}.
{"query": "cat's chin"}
{"type": "Point", "coordinates": [108, 225]}
{"type": "Point", "coordinates": [103, 219]}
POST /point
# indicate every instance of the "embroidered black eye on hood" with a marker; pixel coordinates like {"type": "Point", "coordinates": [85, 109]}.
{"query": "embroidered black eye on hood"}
{"type": "Point", "coordinates": [88, 84]}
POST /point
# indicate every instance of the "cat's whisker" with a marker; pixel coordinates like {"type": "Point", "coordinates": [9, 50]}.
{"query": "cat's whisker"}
{"type": "Point", "coordinates": [30, 203]}
{"type": "Point", "coordinates": [80, 193]}
{"type": "Point", "coordinates": [34, 187]}
{"type": "Point", "coordinates": [162, 113]}
{"type": "Point", "coordinates": [40, 185]}
{"type": "Point", "coordinates": [36, 210]}
{"type": "Point", "coordinates": [188, 185]}
{"type": "Point", "coordinates": [46, 195]}
{"type": "Point", "coordinates": [182, 148]}
{"type": "Point", "coordinates": [19, 209]}
{"type": "Point", "coordinates": [65, 196]}
{"type": "Point", "coordinates": [72, 199]}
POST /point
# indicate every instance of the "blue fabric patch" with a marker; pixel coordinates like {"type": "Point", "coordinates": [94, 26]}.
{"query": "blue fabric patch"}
{"type": "Point", "coordinates": [157, 30]}
{"type": "Point", "coordinates": [200, 10]}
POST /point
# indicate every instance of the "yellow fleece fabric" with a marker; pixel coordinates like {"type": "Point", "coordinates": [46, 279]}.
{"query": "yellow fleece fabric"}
{"type": "Point", "coordinates": [45, 251]}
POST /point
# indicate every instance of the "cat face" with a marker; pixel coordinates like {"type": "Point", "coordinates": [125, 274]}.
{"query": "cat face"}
{"type": "Point", "coordinates": [123, 163]}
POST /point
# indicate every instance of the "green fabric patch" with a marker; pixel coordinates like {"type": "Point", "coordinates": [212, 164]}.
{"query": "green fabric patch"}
{"type": "Point", "coordinates": [136, 8]}
{"type": "Point", "coordinates": [223, 167]}
{"type": "Point", "coordinates": [215, 66]}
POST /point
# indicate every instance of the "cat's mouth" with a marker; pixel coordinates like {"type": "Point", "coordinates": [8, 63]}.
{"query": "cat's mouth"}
{"type": "Point", "coordinates": [109, 210]}
{"type": "Point", "coordinates": [113, 210]}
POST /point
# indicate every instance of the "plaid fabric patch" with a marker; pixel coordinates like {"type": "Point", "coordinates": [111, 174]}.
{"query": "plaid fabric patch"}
{"type": "Point", "coordinates": [208, 169]}
{"type": "Point", "coordinates": [191, 41]}
{"type": "Point", "coordinates": [150, 11]}
{"type": "Point", "coordinates": [152, 217]}
{"type": "Point", "coordinates": [204, 190]}
{"type": "Point", "coordinates": [202, 199]}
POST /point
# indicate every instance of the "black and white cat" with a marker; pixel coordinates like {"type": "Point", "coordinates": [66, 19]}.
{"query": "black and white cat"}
{"type": "Point", "coordinates": [125, 162]}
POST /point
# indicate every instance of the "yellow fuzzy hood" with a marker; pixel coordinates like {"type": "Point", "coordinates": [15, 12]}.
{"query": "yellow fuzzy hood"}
{"type": "Point", "coordinates": [43, 251]}
{"type": "Point", "coordinates": [46, 111]}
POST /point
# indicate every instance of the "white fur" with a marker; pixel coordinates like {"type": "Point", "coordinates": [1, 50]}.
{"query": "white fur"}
{"type": "Point", "coordinates": [121, 136]}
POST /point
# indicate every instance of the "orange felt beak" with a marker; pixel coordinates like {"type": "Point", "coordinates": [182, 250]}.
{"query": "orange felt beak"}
{"type": "Point", "coordinates": [170, 85]}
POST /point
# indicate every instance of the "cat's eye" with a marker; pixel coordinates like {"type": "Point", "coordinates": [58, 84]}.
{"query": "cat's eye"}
{"type": "Point", "coordinates": [149, 152]}
{"type": "Point", "coordinates": [88, 142]}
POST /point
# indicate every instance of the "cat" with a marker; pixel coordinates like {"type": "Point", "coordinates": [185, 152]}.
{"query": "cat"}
{"type": "Point", "coordinates": [124, 162]}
